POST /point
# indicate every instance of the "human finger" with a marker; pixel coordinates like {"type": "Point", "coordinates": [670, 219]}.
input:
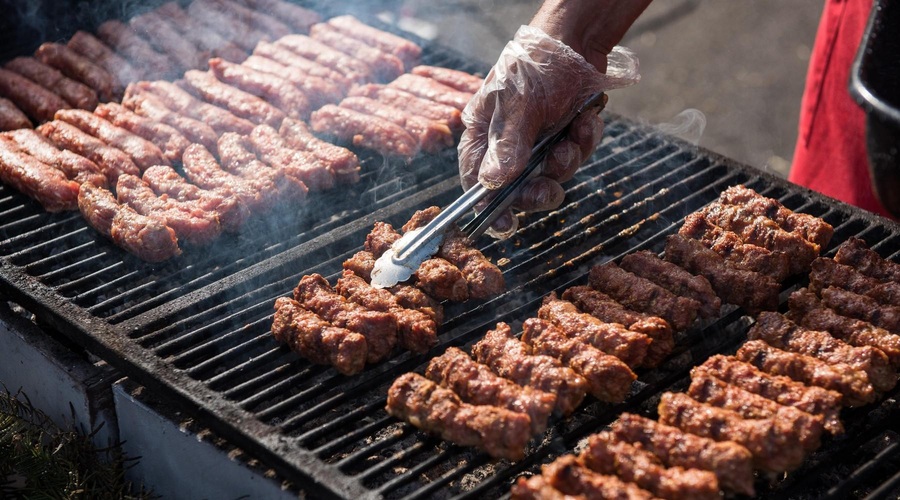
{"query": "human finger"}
{"type": "Point", "coordinates": [539, 194]}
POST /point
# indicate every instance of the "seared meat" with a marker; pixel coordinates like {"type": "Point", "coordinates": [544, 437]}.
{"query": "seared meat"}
{"type": "Point", "coordinates": [752, 291]}
{"type": "Point", "coordinates": [827, 272]}
{"type": "Point", "coordinates": [604, 308]}
{"type": "Point", "coordinates": [211, 43]}
{"type": "Point", "coordinates": [378, 327]}
{"type": "Point", "coordinates": [74, 92]}
{"type": "Point", "coordinates": [353, 69]}
{"type": "Point", "coordinates": [775, 444]}
{"type": "Point", "coordinates": [274, 151]}
{"type": "Point", "coordinates": [166, 39]}
{"type": "Point", "coordinates": [236, 28]}
{"type": "Point", "coordinates": [729, 461]}
{"type": "Point", "coordinates": [318, 340]}
{"type": "Point", "coordinates": [407, 51]}
{"type": "Point", "coordinates": [511, 358]}
{"type": "Point", "coordinates": [385, 66]}
{"type": "Point", "coordinates": [762, 231]}
{"type": "Point", "coordinates": [854, 385]}
{"type": "Point", "coordinates": [237, 159]}
{"type": "Point", "coordinates": [673, 278]}
{"type": "Point", "coordinates": [152, 107]}
{"type": "Point", "coordinates": [317, 90]}
{"type": "Point", "coordinates": [634, 464]}
{"type": "Point", "coordinates": [258, 20]}
{"type": "Point", "coordinates": [611, 338]}
{"type": "Point", "coordinates": [537, 488]}
{"type": "Point", "coordinates": [484, 279]}
{"type": "Point", "coordinates": [202, 169]}
{"type": "Point", "coordinates": [363, 130]}
{"type": "Point", "coordinates": [361, 264]}
{"type": "Point", "coordinates": [778, 331]}
{"type": "Point", "coordinates": [643, 295]}
{"type": "Point", "coordinates": [809, 227]}
{"type": "Point", "coordinates": [234, 152]}
{"type": "Point", "coordinates": [609, 379]}
{"type": "Point", "coordinates": [417, 331]}
{"type": "Point", "coordinates": [412, 104]}
{"type": "Point", "coordinates": [143, 153]}
{"type": "Point", "coordinates": [342, 162]}
{"type": "Point", "coordinates": [136, 50]}
{"type": "Point", "coordinates": [272, 88]}
{"type": "Point", "coordinates": [112, 161]}
{"type": "Point", "coordinates": [442, 280]}
{"type": "Point", "coordinates": [104, 56]}
{"type": "Point", "coordinates": [11, 117]}
{"type": "Point", "coordinates": [177, 99]}
{"type": "Point", "coordinates": [432, 90]}
{"type": "Point", "coordinates": [436, 277]}
{"type": "Point", "coordinates": [808, 310]}
{"type": "Point", "coordinates": [781, 389]}
{"type": "Point", "coordinates": [146, 237]}
{"type": "Point", "coordinates": [499, 432]}
{"type": "Point", "coordinates": [190, 222]}
{"type": "Point", "coordinates": [75, 167]}
{"type": "Point", "coordinates": [35, 179]}
{"type": "Point", "coordinates": [308, 66]}
{"type": "Point", "coordinates": [231, 211]}
{"type": "Point", "coordinates": [476, 384]}
{"type": "Point", "coordinates": [168, 139]}
{"type": "Point", "coordinates": [431, 135]}
{"type": "Point", "coordinates": [459, 80]}
{"type": "Point", "coordinates": [569, 476]}
{"type": "Point", "coordinates": [855, 253]}
{"type": "Point", "coordinates": [207, 87]}
{"type": "Point", "coordinates": [37, 102]}
{"type": "Point", "coordinates": [862, 307]}
{"type": "Point", "coordinates": [380, 238]}
{"type": "Point", "coordinates": [730, 246]}
{"type": "Point", "coordinates": [289, 13]}
{"type": "Point", "coordinates": [716, 392]}
{"type": "Point", "coordinates": [411, 297]}
{"type": "Point", "coordinates": [78, 68]}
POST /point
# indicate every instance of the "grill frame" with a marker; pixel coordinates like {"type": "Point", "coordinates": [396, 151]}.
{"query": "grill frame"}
{"type": "Point", "coordinates": [149, 347]}
{"type": "Point", "coordinates": [130, 344]}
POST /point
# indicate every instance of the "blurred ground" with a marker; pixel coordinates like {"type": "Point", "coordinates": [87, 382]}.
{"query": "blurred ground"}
{"type": "Point", "coordinates": [742, 64]}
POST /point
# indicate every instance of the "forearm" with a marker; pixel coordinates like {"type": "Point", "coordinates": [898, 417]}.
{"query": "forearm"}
{"type": "Point", "coordinates": [591, 27]}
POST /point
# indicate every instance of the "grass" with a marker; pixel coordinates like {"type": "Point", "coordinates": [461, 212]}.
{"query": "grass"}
{"type": "Point", "coordinates": [39, 460]}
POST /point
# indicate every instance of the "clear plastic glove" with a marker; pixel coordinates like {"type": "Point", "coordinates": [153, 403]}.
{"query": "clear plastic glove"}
{"type": "Point", "coordinates": [532, 91]}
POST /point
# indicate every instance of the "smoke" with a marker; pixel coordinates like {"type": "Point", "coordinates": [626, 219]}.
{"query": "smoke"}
{"type": "Point", "coordinates": [687, 125]}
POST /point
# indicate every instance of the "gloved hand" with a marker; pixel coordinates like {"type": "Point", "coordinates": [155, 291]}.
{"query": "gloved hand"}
{"type": "Point", "coordinates": [533, 91]}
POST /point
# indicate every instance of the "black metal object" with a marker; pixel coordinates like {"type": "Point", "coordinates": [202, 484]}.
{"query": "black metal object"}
{"type": "Point", "coordinates": [197, 331]}
{"type": "Point", "coordinates": [875, 85]}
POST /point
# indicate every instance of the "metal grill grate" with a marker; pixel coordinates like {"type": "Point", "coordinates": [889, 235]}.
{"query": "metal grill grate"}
{"type": "Point", "coordinates": [197, 332]}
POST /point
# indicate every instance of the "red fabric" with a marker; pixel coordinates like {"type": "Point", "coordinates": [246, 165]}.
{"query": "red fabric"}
{"type": "Point", "coordinates": [830, 156]}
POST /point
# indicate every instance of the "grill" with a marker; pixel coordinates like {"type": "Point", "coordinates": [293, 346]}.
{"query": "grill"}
{"type": "Point", "coordinates": [196, 331]}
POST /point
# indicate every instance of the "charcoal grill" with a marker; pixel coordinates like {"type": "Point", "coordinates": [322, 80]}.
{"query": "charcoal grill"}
{"type": "Point", "coordinates": [196, 330]}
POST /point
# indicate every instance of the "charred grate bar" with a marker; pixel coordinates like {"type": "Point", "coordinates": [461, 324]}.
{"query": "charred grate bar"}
{"type": "Point", "coordinates": [199, 336]}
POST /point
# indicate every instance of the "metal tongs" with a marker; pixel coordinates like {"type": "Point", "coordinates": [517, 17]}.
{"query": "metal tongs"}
{"type": "Point", "coordinates": [415, 247]}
